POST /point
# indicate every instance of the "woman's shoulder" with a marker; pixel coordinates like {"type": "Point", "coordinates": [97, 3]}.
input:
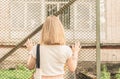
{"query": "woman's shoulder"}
{"type": "Point", "coordinates": [66, 47]}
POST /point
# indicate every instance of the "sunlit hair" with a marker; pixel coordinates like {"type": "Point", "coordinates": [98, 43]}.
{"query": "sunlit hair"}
{"type": "Point", "coordinates": [52, 32]}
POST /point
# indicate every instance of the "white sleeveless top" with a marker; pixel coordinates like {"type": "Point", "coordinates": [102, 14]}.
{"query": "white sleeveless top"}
{"type": "Point", "coordinates": [52, 58]}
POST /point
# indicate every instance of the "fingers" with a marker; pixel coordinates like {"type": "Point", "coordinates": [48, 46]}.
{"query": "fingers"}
{"type": "Point", "coordinates": [29, 44]}
{"type": "Point", "coordinates": [29, 41]}
{"type": "Point", "coordinates": [77, 44]}
{"type": "Point", "coordinates": [76, 47]}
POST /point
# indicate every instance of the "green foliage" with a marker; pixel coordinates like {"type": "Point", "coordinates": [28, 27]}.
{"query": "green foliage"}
{"type": "Point", "coordinates": [117, 76]}
{"type": "Point", "coordinates": [22, 67]}
{"type": "Point", "coordinates": [20, 73]}
{"type": "Point", "coordinates": [105, 74]}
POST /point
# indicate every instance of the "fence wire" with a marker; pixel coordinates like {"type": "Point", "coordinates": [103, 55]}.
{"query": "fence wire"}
{"type": "Point", "coordinates": [19, 18]}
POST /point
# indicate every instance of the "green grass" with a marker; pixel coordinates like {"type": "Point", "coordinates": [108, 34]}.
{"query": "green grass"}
{"type": "Point", "coordinates": [117, 76]}
{"type": "Point", "coordinates": [20, 73]}
{"type": "Point", "coordinates": [104, 73]}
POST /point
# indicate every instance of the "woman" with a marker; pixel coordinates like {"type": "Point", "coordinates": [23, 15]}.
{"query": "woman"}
{"type": "Point", "coordinates": [54, 54]}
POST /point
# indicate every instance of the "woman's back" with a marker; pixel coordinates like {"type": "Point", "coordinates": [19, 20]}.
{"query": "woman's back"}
{"type": "Point", "coordinates": [53, 58]}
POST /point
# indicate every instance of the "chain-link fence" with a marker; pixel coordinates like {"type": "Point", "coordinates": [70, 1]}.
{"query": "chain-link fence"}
{"type": "Point", "coordinates": [19, 18]}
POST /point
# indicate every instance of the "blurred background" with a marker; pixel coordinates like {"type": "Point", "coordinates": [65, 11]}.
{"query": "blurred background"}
{"type": "Point", "coordinates": [20, 18]}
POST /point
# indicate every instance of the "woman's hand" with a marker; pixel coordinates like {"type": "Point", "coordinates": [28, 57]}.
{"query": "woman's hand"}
{"type": "Point", "coordinates": [76, 47]}
{"type": "Point", "coordinates": [72, 61]}
{"type": "Point", "coordinates": [29, 44]}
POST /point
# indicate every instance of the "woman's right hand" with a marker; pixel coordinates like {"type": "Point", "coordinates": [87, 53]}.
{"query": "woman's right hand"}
{"type": "Point", "coordinates": [29, 45]}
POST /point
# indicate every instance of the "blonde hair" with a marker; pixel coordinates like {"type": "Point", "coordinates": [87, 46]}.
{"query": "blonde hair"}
{"type": "Point", "coordinates": [52, 32]}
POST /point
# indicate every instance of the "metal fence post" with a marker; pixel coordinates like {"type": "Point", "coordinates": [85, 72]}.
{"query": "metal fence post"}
{"type": "Point", "coordinates": [98, 39]}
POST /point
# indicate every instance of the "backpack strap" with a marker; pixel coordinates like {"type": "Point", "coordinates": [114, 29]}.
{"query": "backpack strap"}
{"type": "Point", "coordinates": [38, 56]}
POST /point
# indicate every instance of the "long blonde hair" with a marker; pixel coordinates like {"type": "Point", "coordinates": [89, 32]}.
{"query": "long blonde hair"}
{"type": "Point", "coordinates": [52, 32]}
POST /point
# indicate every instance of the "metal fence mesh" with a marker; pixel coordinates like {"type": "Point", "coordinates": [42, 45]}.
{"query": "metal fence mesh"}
{"type": "Point", "coordinates": [19, 18]}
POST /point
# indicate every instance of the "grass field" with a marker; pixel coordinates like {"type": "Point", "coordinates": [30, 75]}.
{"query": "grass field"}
{"type": "Point", "coordinates": [20, 73]}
